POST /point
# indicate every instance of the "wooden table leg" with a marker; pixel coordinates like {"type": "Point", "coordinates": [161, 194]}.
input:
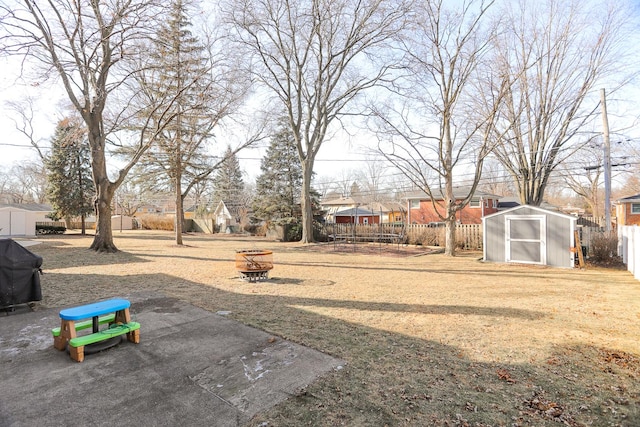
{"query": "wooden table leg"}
{"type": "Point", "coordinates": [67, 331]}
{"type": "Point", "coordinates": [76, 353]}
{"type": "Point", "coordinates": [123, 316]}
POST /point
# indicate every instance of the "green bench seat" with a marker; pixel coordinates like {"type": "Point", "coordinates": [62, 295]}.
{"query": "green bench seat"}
{"type": "Point", "coordinates": [113, 331]}
{"type": "Point", "coordinates": [87, 324]}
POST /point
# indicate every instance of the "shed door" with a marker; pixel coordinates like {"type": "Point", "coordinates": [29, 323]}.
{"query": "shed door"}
{"type": "Point", "coordinates": [526, 239]}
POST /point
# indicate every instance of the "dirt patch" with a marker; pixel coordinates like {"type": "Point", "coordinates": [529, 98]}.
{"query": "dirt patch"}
{"type": "Point", "coordinates": [379, 249]}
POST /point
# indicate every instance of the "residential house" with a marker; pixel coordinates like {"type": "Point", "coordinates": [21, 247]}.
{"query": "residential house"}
{"type": "Point", "coordinates": [227, 217]}
{"type": "Point", "coordinates": [389, 212]}
{"type": "Point", "coordinates": [420, 209]}
{"type": "Point", "coordinates": [356, 216]}
{"type": "Point", "coordinates": [147, 209]}
{"type": "Point", "coordinates": [331, 206]}
{"type": "Point", "coordinates": [628, 210]}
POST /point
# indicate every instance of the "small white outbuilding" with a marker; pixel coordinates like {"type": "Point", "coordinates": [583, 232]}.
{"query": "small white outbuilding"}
{"type": "Point", "coordinates": [530, 235]}
{"type": "Point", "coordinates": [19, 220]}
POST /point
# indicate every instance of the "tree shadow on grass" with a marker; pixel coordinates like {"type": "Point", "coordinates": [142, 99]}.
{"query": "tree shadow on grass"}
{"type": "Point", "coordinates": [394, 379]}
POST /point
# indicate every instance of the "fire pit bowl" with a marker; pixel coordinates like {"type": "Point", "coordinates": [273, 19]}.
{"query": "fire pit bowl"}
{"type": "Point", "coordinates": [254, 264]}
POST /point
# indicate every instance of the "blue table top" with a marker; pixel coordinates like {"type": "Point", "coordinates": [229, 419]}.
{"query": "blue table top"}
{"type": "Point", "coordinates": [95, 309]}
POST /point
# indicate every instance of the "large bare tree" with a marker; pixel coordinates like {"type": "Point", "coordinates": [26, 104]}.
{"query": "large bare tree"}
{"type": "Point", "coordinates": [316, 57]}
{"type": "Point", "coordinates": [84, 43]}
{"type": "Point", "coordinates": [441, 124]}
{"type": "Point", "coordinates": [553, 55]}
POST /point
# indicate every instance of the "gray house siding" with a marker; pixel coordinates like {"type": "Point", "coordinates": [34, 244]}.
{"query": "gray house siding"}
{"type": "Point", "coordinates": [528, 234]}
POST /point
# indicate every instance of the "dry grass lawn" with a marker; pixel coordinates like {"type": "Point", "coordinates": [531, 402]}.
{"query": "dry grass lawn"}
{"type": "Point", "coordinates": [428, 340]}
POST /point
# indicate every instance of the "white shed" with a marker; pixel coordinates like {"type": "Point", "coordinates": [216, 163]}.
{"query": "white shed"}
{"type": "Point", "coordinates": [20, 219]}
{"type": "Point", "coordinates": [530, 235]}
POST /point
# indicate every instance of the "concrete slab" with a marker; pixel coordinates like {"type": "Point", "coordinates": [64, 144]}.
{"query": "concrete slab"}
{"type": "Point", "coordinates": [192, 367]}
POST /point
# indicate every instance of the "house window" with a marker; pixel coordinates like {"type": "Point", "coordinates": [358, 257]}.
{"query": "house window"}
{"type": "Point", "coordinates": [486, 203]}
{"type": "Point", "coordinates": [415, 204]}
{"type": "Point", "coordinates": [474, 204]}
{"type": "Point", "coordinates": [495, 203]}
{"type": "Point", "coordinates": [635, 208]}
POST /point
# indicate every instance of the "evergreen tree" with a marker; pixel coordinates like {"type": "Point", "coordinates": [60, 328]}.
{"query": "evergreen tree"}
{"type": "Point", "coordinates": [279, 185]}
{"type": "Point", "coordinates": [228, 184]}
{"type": "Point", "coordinates": [177, 160]}
{"type": "Point", "coordinates": [70, 187]}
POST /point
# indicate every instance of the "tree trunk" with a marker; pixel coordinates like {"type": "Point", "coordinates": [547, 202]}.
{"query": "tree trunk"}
{"type": "Point", "coordinates": [103, 239]}
{"type": "Point", "coordinates": [305, 203]}
{"type": "Point", "coordinates": [450, 223]}
{"type": "Point", "coordinates": [179, 210]}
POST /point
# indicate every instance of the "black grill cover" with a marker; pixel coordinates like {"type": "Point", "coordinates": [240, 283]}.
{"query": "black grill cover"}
{"type": "Point", "coordinates": [19, 274]}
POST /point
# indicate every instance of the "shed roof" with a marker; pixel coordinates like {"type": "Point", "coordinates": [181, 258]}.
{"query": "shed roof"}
{"type": "Point", "coordinates": [535, 208]}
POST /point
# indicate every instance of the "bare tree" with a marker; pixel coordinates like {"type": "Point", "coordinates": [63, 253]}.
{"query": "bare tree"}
{"type": "Point", "coordinates": [85, 43]}
{"type": "Point", "coordinates": [444, 118]}
{"type": "Point", "coordinates": [552, 55]}
{"type": "Point", "coordinates": [24, 123]}
{"type": "Point", "coordinates": [495, 179]}
{"type": "Point", "coordinates": [370, 179]}
{"type": "Point", "coordinates": [316, 58]}
{"type": "Point", "coordinates": [25, 182]}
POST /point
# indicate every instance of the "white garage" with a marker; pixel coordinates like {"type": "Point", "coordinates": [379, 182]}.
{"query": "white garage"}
{"type": "Point", "coordinates": [18, 220]}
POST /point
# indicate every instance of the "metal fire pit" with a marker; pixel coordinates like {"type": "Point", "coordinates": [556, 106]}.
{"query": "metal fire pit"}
{"type": "Point", "coordinates": [254, 264]}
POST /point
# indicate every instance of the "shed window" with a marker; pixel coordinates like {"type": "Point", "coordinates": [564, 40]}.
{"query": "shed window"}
{"type": "Point", "coordinates": [415, 204]}
{"type": "Point", "coordinates": [635, 208]}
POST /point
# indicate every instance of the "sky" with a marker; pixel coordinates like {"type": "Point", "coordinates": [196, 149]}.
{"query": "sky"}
{"type": "Point", "coordinates": [336, 156]}
{"type": "Point", "coordinates": [49, 99]}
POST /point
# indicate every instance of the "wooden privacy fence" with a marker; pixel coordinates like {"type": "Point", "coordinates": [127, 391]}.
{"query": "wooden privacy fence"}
{"type": "Point", "coordinates": [468, 236]}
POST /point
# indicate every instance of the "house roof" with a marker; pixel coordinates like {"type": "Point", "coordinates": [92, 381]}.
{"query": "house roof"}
{"type": "Point", "coordinates": [630, 199]}
{"type": "Point", "coordinates": [535, 208]}
{"type": "Point", "coordinates": [356, 212]}
{"type": "Point", "coordinates": [458, 193]}
{"type": "Point", "coordinates": [340, 201]}
{"type": "Point", "coordinates": [32, 207]}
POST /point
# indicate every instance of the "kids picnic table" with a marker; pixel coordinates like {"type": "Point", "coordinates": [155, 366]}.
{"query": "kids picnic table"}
{"type": "Point", "coordinates": [115, 312]}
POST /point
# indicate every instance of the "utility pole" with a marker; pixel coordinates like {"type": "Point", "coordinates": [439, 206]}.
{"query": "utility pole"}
{"type": "Point", "coordinates": [607, 160]}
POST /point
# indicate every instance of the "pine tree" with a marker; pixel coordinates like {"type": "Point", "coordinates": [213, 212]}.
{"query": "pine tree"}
{"type": "Point", "coordinates": [70, 187]}
{"type": "Point", "coordinates": [279, 185]}
{"type": "Point", "coordinates": [178, 157]}
{"type": "Point", "coordinates": [228, 184]}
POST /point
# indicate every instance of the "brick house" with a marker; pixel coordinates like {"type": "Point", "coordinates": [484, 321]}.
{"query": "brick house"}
{"type": "Point", "coordinates": [628, 210]}
{"type": "Point", "coordinates": [420, 210]}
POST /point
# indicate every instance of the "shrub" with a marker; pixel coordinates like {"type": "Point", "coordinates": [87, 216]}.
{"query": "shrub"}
{"type": "Point", "coordinates": [604, 246]}
{"type": "Point", "coordinates": [156, 222]}
{"type": "Point", "coordinates": [425, 237]}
